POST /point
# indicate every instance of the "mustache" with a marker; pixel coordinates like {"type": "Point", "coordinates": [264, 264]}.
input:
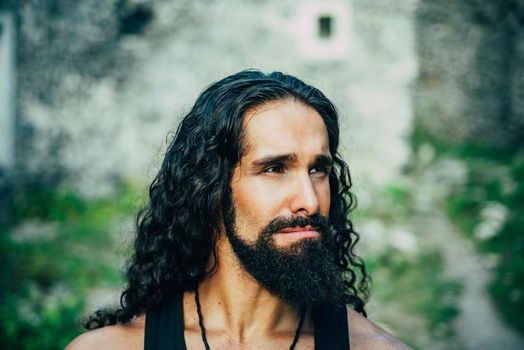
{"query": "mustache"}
{"type": "Point", "coordinates": [279, 223]}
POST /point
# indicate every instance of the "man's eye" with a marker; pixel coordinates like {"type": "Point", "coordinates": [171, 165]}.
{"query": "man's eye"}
{"type": "Point", "coordinates": [274, 169]}
{"type": "Point", "coordinates": [320, 170]}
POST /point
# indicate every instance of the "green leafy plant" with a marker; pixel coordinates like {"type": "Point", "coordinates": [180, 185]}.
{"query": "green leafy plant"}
{"type": "Point", "coordinates": [60, 247]}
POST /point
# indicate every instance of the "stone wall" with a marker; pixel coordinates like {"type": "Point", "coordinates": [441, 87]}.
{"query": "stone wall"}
{"type": "Point", "coordinates": [98, 103]}
{"type": "Point", "coordinates": [7, 112]}
{"type": "Point", "coordinates": [471, 82]}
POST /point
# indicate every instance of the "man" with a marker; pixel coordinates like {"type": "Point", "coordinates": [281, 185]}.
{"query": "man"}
{"type": "Point", "coordinates": [246, 243]}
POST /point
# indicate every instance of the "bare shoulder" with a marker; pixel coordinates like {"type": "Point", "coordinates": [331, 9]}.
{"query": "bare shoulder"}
{"type": "Point", "coordinates": [121, 336]}
{"type": "Point", "coordinates": [365, 334]}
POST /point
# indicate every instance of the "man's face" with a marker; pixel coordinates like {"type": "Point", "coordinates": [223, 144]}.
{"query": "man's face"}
{"type": "Point", "coordinates": [284, 171]}
{"type": "Point", "coordinates": [277, 224]}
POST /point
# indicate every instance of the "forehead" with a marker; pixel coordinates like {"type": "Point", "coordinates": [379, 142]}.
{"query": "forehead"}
{"type": "Point", "coordinates": [288, 126]}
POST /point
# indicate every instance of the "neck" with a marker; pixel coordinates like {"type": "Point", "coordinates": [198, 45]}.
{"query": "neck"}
{"type": "Point", "coordinates": [235, 304]}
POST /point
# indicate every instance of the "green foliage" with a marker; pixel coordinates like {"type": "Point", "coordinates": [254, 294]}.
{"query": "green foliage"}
{"type": "Point", "coordinates": [421, 135]}
{"type": "Point", "coordinates": [495, 178]}
{"type": "Point", "coordinates": [60, 248]}
{"type": "Point", "coordinates": [392, 202]}
{"type": "Point", "coordinates": [417, 283]}
{"type": "Point", "coordinates": [410, 286]}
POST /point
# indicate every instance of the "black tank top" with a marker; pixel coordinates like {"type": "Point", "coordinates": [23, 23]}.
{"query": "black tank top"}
{"type": "Point", "coordinates": [165, 327]}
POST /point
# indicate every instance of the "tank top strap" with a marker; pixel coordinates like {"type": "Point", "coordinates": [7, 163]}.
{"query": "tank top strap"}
{"type": "Point", "coordinates": [331, 328]}
{"type": "Point", "coordinates": [165, 326]}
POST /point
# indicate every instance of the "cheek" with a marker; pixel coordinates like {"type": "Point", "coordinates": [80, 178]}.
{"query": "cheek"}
{"type": "Point", "coordinates": [257, 199]}
{"type": "Point", "coordinates": [324, 198]}
{"type": "Point", "coordinates": [252, 210]}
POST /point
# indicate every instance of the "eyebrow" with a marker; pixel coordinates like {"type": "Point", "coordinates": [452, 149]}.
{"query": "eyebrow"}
{"type": "Point", "coordinates": [288, 158]}
{"type": "Point", "coordinates": [273, 159]}
{"type": "Point", "coordinates": [324, 160]}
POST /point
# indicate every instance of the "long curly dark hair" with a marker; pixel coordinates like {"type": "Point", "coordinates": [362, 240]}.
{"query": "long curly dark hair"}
{"type": "Point", "coordinates": [178, 229]}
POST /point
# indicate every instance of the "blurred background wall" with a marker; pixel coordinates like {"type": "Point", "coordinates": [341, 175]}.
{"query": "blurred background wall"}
{"type": "Point", "coordinates": [430, 97]}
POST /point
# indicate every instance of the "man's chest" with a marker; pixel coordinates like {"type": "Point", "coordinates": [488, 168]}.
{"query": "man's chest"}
{"type": "Point", "coordinates": [221, 341]}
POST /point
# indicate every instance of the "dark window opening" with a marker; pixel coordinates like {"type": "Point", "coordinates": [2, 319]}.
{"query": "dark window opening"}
{"type": "Point", "coordinates": [325, 27]}
{"type": "Point", "coordinates": [134, 20]}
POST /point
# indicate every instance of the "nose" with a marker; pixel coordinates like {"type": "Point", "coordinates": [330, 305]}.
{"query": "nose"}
{"type": "Point", "coordinates": [305, 198]}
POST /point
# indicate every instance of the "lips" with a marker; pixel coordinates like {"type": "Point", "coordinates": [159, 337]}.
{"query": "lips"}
{"type": "Point", "coordinates": [307, 228]}
{"type": "Point", "coordinates": [300, 232]}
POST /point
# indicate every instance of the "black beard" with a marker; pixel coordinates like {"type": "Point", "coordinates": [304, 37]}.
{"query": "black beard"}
{"type": "Point", "coordinates": [304, 273]}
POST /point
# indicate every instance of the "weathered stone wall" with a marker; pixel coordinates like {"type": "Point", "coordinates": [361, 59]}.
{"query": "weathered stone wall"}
{"type": "Point", "coordinates": [471, 82]}
{"type": "Point", "coordinates": [101, 101]}
{"type": "Point", "coordinates": [7, 110]}
{"type": "Point", "coordinates": [67, 52]}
